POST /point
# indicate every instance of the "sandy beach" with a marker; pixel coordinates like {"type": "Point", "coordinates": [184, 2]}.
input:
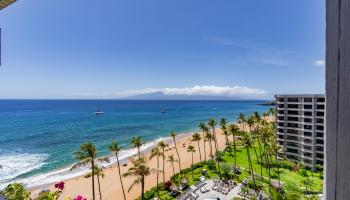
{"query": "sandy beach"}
{"type": "Point", "coordinates": [110, 185]}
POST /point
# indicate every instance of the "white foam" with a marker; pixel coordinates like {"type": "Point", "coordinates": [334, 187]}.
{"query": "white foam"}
{"type": "Point", "coordinates": [16, 164]}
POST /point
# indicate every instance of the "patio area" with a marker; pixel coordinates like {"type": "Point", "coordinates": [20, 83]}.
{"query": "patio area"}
{"type": "Point", "coordinates": [210, 189]}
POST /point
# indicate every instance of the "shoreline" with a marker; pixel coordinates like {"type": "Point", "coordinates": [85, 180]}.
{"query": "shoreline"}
{"type": "Point", "coordinates": [110, 185]}
{"type": "Point", "coordinates": [123, 159]}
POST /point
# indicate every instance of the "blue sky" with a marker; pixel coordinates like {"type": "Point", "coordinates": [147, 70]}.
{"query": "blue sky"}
{"type": "Point", "coordinates": [84, 49]}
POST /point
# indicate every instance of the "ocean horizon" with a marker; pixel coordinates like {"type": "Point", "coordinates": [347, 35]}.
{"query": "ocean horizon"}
{"type": "Point", "coordinates": [38, 137]}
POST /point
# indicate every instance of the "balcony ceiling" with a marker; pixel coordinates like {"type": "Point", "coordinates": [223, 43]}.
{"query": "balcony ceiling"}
{"type": "Point", "coordinates": [5, 3]}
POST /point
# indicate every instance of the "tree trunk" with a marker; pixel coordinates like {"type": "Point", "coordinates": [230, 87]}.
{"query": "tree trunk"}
{"type": "Point", "coordinates": [172, 164]}
{"type": "Point", "coordinates": [158, 175]}
{"type": "Point", "coordinates": [211, 148]}
{"type": "Point", "coordinates": [205, 152]}
{"type": "Point", "coordinates": [163, 166]}
{"type": "Point", "coordinates": [200, 155]}
{"type": "Point", "coordinates": [192, 165]}
{"type": "Point", "coordinates": [99, 186]}
{"type": "Point", "coordinates": [93, 178]}
{"type": "Point", "coordinates": [251, 167]}
{"type": "Point", "coordinates": [120, 176]}
{"type": "Point", "coordinates": [139, 152]}
{"type": "Point", "coordinates": [143, 187]}
{"type": "Point", "coordinates": [178, 156]}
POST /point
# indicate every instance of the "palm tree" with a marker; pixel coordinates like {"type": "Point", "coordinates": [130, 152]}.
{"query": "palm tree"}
{"type": "Point", "coordinates": [197, 138]}
{"type": "Point", "coordinates": [209, 137]}
{"type": "Point", "coordinates": [87, 154]}
{"type": "Point", "coordinates": [163, 145]}
{"type": "Point", "coordinates": [233, 129]}
{"type": "Point", "coordinates": [139, 170]}
{"type": "Point", "coordinates": [203, 127]}
{"type": "Point", "coordinates": [155, 152]}
{"type": "Point", "coordinates": [191, 149]}
{"type": "Point", "coordinates": [247, 141]}
{"type": "Point", "coordinates": [272, 111]}
{"type": "Point", "coordinates": [98, 171]}
{"type": "Point", "coordinates": [241, 120]}
{"type": "Point", "coordinates": [137, 142]}
{"type": "Point", "coordinates": [172, 160]}
{"type": "Point", "coordinates": [115, 148]}
{"type": "Point", "coordinates": [173, 135]}
{"type": "Point", "coordinates": [308, 183]}
{"type": "Point", "coordinates": [223, 124]}
{"type": "Point", "coordinates": [212, 123]}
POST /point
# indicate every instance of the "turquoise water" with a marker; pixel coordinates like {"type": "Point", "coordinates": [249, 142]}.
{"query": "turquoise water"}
{"type": "Point", "coordinates": [38, 137]}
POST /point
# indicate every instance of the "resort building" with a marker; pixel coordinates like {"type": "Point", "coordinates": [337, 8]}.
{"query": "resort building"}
{"type": "Point", "coordinates": [301, 127]}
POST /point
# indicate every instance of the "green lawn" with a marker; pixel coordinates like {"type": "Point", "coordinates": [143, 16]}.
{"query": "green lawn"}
{"type": "Point", "coordinates": [287, 177]}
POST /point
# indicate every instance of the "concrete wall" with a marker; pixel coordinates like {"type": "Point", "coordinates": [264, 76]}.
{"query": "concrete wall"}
{"type": "Point", "coordinates": [338, 100]}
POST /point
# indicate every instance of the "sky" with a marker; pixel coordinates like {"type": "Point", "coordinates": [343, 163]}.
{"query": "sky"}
{"type": "Point", "coordinates": [115, 48]}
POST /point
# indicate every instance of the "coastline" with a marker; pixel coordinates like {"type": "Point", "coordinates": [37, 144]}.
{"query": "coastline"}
{"type": "Point", "coordinates": [111, 188]}
{"type": "Point", "coordinates": [40, 181]}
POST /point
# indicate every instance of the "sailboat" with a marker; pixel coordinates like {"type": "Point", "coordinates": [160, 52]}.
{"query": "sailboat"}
{"type": "Point", "coordinates": [99, 111]}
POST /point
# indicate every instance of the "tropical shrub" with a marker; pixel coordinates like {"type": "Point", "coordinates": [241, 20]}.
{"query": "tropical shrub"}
{"type": "Point", "coordinates": [15, 191]}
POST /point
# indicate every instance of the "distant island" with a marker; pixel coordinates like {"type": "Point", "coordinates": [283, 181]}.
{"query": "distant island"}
{"type": "Point", "coordinates": [268, 103]}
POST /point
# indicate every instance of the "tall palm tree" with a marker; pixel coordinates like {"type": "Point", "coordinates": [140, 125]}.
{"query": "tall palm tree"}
{"type": "Point", "coordinates": [172, 160]}
{"type": "Point", "coordinates": [209, 137]}
{"type": "Point", "coordinates": [204, 128]}
{"type": "Point", "coordinates": [233, 129]}
{"type": "Point", "coordinates": [163, 145]}
{"type": "Point", "coordinates": [139, 170]}
{"type": "Point", "coordinates": [250, 122]}
{"type": "Point", "coordinates": [137, 142]}
{"type": "Point", "coordinates": [98, 172]}
{"type": "Point", "coordinates": [156, 152]}
{"type": "Point", "coordinates": [87, 155]}
{"type": "Point", "coordinates": [212, 123]}
{"type": "Point", "coordinates": [247, 141]}
{"type": "Point", "coordinates": [115, 148]}
{"type": "Point", "coordinates": [223, 124]}
{"type": "Point", "coordinates": [241, 120]}
{"type": "Point", "coordinates": [173, 135]}
{"type": "Point", "coordinates": [191, 150]}
{"type": "Point", "coordinates": [196, 137]}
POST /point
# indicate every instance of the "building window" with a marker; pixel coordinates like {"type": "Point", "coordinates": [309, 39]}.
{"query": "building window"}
{"type": "Point", "coordinates": [307, 99]}
{"type": "Point", "coordinates": [320, 128]}
{"type": "Point", "coordinates": [320, 121]}
{"type": "Point", "coordinates": [307, 106]}
{"type": "Point", "coordinates": [309, 127]}
{"type": "Point", "coordinates": [320, 107]}
{"type": "Point", "coordinates": [293, 112]}
{"type": "Point", "coordinates": [318, 141]}
{"type": "Point", "coordinates": [307, 134]}
{"type": "Point", "coordinates": [320, 114]}
{"type": "Point", "coordinates": [293, 100]}
{"type": "Point", "coordinates": [321, 99]}
{"type": "Point", "coordinates": [308, 120]}
{"type": "Point", "coordinates": [319, 134]}
{"type": "Point", "coordinates": [295, 106]}
{"type": "Point", "coordinates": [308, 113]}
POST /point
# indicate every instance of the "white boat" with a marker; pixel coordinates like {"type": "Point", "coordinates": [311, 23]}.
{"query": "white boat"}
{"type": "Point", "coordinates": [98, 111]}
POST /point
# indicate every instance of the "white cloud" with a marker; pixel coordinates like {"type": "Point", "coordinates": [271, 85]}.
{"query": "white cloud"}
{"type": "Point", "coordinates": [211, 90]}
{"type": "Point", "coordinates": [206, 90]}
{"type": "Point", "coordinates": [319, 62]}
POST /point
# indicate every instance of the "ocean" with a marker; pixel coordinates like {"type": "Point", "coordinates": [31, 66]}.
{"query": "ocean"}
{"type": "Point", "coordinates": [38, 137]}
